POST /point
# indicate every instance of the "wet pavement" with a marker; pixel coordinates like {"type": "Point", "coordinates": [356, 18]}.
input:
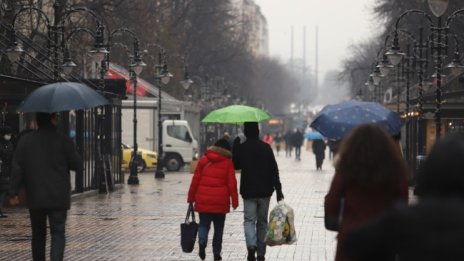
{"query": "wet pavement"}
{"type": "Point", "coordinates": [142, 222]}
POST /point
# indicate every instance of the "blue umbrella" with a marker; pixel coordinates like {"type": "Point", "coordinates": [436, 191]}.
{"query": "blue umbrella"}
{"type": "Point", "coordinates": [62, 96]}
{"type": "Point", "coordinates": [337, 120]}
{"type": "Point", "coordinates": [313, 135]}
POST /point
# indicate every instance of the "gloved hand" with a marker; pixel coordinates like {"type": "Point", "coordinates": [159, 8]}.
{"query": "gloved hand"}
{"type": "Point", "coordinates": [280, 195]}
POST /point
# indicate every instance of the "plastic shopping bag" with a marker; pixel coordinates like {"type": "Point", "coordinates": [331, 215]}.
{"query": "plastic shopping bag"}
{"type": "Point", "coordinates": [281, 228]}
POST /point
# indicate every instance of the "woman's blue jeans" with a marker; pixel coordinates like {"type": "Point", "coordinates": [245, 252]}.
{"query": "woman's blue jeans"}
{"type": "Point", "coordinates": [203, 230]}
{"type": "Point", "coordinates": [255, 212]}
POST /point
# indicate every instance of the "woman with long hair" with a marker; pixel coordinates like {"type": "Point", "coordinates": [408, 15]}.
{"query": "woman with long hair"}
{"type": "Point", "coordinates": [370, 177]}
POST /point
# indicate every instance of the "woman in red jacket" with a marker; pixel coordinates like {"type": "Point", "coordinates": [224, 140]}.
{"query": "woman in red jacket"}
{"type": "Point", "coordinates": [370, 177]}
{"type": "Point", "coordinates": [213, 188]}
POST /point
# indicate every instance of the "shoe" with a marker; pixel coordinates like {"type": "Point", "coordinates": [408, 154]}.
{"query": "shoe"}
{"type": "Point", "coordinates": [261, 258]}
{"type": "Point", "coordinates": [201, 252]}
{"type": "Point", "coordinates": [251, 254]}
{"type": "Point", "coordinates": [2, 215]}
{"type": "Point", "coordinates": [217, 258]}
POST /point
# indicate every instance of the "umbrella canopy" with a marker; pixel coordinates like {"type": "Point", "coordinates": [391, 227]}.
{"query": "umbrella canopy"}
{"type": "Point", "coordinates": [313, 135]}
{"type": "Point", "coordinates": [62, 96]}
{"type": "Point", "coordinates": [236, 114]}
{"type": "Point", "coordinates": [337, 120]}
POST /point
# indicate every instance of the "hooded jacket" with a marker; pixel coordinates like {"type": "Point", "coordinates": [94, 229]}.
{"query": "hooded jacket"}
{"type": "Point", "coordinates": [259, 171]}
{"type": "Point", "coordinates": [214, 186]}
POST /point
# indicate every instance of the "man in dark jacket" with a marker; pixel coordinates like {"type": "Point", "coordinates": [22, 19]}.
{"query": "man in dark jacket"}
{"type": "Point", "coordinates": [259, 179]}
{"type": "Point", "coordinates": [319, 151]}
{"type": "Point", "coordinates": [41, 163]}
{"type": "Point", "coordinates": [297, 140]}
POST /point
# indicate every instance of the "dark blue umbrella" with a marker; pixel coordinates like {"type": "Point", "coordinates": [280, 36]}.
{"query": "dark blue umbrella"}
{"type": "Point", "coordinates": [62, 96]}
{"type": "Point", "coordinates": [337, 120]}
{"type": "Point", "coordinates": [313, 135]}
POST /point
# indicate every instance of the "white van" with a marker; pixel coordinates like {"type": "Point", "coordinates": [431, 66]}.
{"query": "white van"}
{"type": "Point", "coordinates": [179, 145]}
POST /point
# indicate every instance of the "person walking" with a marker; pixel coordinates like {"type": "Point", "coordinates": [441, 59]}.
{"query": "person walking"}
{"type": "Point", "coordinates": [277, 142]}
{"type": "Point", "coordinates": [333, 147]}
{"type": "Point", "coordinates": [432, 229]}
{"type": "Point", "coordinates": [368, 181]}
{"type": "Point", "coordinates": [318, 148]}
{"type": "Point", "coordinates": [259, 179]}
{"type": "Point", "coordinates": [268, 139]}
{"type": "Point", "coordinates": [212, 189]}
{"type": "Point", "coordinates": [297, 140]}
{"type": "Point", "coordinates": [6, 154]}
{"type": "Point", "coordinates": [288, 143]}
{"type": "Point", "coordinates": [41, 163]}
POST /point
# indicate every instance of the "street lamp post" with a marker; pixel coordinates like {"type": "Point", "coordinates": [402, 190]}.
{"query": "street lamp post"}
{"type": "Point", "coordinates": [135, 68]}
{"type": "Point", "coordinates": [437, 43]}
{"type": "Point", "coordinates": [163, 76]}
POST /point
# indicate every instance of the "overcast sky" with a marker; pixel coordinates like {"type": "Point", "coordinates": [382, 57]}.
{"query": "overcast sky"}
{"type": "Point", "coordinates": [340, 22]}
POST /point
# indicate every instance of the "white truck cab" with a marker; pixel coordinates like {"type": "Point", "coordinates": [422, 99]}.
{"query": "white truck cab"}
{"type": "Point", "coordinates": [179, 145]}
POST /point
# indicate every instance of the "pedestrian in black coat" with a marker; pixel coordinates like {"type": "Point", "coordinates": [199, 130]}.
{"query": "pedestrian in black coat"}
{"type": "Point", "coordinates": [258, 180]}
{"type": "Point", "coordinates": [297, 141]}
{"type": "Point", "coordinates": [319, 152]}
{"type": "Point", "coordinates": [432, 229]}
{"type": "Point", "coordinates": [41, 164]}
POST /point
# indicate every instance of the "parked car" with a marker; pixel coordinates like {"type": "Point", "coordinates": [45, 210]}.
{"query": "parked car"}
{"type": "Point", "coordinates": [145, 159]}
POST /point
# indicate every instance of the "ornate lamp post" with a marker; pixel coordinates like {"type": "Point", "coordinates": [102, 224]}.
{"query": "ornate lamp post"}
{"type": "Point", "coordinates": [163, 76]}
{"type": "Point", "coordinates": [135, 68]}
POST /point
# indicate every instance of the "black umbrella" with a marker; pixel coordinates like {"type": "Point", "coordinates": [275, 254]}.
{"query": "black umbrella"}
{"type": "Point", "coordinates": [62, 96]}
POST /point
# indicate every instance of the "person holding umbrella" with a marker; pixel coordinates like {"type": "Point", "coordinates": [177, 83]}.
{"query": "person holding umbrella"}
{"type": "Point", "coordinates": [41, 164]}
{"type": "Point", "coordinates": [259, 179]}
{"type": "Point", "coordinates": [369, 180]}
{"type": "Point", "coordinates": [319, 152]}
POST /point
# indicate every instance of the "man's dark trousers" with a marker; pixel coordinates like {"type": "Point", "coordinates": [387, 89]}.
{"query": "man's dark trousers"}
{"type": "Point", "coordinates": [57, 221]}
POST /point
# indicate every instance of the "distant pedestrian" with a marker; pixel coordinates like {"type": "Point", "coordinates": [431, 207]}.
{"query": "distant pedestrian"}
{"type": "Point", "coordinates": [268, 139]}
{"type": "Point", "coordinates": [259, 178]}
{"type": "Point", "coordinates": [212, 189]}
{"type": "Point", "coordinates": [297, 141]}
{"type": "Point", "coordinates": [6, 155]}
{"type": "Point", "coordinates": [318, 148]}
{"type": "Point", "coordinates": [370, 177]}
{"type": "Point", "coordinates": [288, 143]}
{"type": "Point", "coordinates": [41, 163]}
{"type": "Point", "coordinates": [433, 228]}
{"type": "Point", "coordinates": [333, 147]}
{"type": "Point", "coordinates": [277, 142]}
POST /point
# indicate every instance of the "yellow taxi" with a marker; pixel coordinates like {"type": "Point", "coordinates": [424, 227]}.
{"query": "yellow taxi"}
{"type": "Point", "coordinates": [146, 158]}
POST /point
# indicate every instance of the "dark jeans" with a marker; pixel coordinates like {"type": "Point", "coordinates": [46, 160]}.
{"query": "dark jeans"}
{"type": "Point", "coordinates": [57, 221]}
{"type": "Point", "coordinates": [297, 152]}
{"type": "Point", "coordinates": [203, 230]}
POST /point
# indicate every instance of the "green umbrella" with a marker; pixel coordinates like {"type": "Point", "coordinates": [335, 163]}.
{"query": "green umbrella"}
{"type": "Point", "coordinates": [236, 114]}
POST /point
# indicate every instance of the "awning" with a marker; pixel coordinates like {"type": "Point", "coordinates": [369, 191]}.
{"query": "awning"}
{"type": "Point", "coordinates": [114, 72]}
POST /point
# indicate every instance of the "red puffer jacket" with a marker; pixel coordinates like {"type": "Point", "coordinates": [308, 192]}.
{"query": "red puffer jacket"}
{"type": "Point", "coordinates": [214, 183]}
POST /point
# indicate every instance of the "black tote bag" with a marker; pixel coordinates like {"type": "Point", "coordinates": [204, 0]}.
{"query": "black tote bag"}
{"type": "Point", "coordinates": [188, 231]}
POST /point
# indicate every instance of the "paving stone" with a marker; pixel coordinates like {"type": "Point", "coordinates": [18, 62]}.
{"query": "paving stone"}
{"type": "Point", "coordinates": [137, 223]}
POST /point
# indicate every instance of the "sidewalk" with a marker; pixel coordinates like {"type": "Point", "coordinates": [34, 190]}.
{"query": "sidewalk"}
{"type": "Point", "coordinates": [142, 222]}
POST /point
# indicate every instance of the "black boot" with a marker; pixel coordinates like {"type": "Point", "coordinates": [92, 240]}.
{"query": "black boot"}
{"type": "Point", "coordinates": [251, 254]}
{"type": "Point", "coordinates": [217, 258]}
{"type": "Point", "coordinates": [261, 258]}
{"type": "Point", "coordinates": [202, 253]}
{"type": "Point", "coordinates": [2, 215]}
